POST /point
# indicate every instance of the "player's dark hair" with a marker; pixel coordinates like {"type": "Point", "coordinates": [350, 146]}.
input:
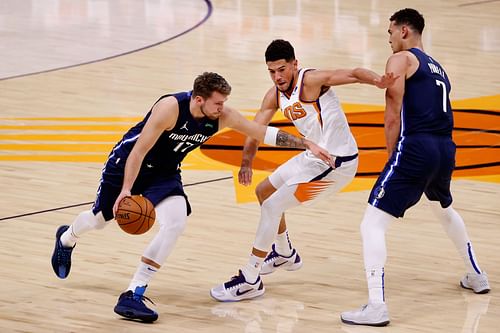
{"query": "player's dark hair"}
{"type": "Point", "coordinates": [206, 83]}
{"type": "Point", "coordinates": [410, 17]}
{"type": "Point", "coordinates": [280, 49]}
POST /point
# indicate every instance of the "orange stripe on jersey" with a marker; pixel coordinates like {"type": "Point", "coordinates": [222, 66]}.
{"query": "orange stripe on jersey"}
{"type": "Point", "coordinates": [318, 110]}
{"type": "Point", "coordinates": [309, 191]}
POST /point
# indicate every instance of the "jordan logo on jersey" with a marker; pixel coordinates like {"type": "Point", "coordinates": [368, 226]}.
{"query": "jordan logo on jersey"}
{"type": "Point", "coordinates": [185, 126]}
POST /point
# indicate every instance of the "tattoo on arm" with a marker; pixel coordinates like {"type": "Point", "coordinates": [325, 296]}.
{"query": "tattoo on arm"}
{"type": "Point", "coordinates": [284, 139]}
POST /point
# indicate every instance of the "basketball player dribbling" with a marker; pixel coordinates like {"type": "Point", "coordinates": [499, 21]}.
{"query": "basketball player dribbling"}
{"type": "Point", "coordinates": [305, 97]}
{"type": "Point", "coordinates": [147, 161]}
{"type": "Point", "coordinates": [418, 128]}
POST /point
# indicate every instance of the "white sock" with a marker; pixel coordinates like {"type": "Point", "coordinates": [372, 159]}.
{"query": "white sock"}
{"type": "Point", "coordinates": [454, 226]}
{"type": "Point", "coordinates": [375, 280]}
{"type": "Point", "coordinates": [142, 276]}
{"type": "Point", "coordinates": [251, 270]}
{"type": "Point", "coordinates": [283, 245]}
{"type": "Point", "coordinates": [373, 229]}
{"type": "Point", "coordinates": [68, 238]}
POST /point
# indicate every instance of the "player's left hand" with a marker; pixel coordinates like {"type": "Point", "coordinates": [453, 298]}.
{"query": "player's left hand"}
{"type": "Point", "coordinates": [385, 80]}
{"type": "Point", "coordinates": [320, 153]}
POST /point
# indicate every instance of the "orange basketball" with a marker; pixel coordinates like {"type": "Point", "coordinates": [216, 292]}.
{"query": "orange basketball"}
{"type": "Point", "coordinates": [135, 214]}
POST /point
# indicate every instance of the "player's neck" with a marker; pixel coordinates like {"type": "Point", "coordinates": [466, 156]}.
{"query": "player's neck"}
{"type": "Point", "coordinates": [414, 44]}
{"type": "Point", "coordinates": [293, 84]}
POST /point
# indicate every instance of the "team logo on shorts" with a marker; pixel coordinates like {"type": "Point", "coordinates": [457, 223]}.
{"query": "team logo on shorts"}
{"type": "Point", "coordinates": [379, 192]}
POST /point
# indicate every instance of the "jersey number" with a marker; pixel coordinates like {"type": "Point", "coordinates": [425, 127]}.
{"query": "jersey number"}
{"type": "Point", "coordinates": [179, 146]}
{"type": "Point", "coordinates": [443, 85]}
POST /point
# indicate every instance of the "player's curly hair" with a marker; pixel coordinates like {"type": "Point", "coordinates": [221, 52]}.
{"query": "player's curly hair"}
{"type": "Point", "coordinates": [280, 49]}
{"type": "Point", "coordinates": [410, 17]}
{"type": "Point", "coordinates": [205, 84]}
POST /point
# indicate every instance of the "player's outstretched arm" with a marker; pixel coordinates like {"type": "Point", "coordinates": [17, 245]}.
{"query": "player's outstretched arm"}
{"type": "Point", "coordinates": [270, 135]}
{"type": "Point", "coordinates": [267, 110]}
{"type": "Point", "coordinates": [347, 76]}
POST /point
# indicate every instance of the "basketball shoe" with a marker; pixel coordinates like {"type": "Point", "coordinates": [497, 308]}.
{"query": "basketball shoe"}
{"type": "Point", "coordinates": [237, 289]}
{"type": "Point", "coordinates": [61, 257]}
{"type": "Point", "coordinates": [131, 305]}
{"type": "Point", "coordinates": [476, 282]}
{"type": "Point", "coordinates": [274, 260]}
{"type": "Point", "coordinates": [369, 315]}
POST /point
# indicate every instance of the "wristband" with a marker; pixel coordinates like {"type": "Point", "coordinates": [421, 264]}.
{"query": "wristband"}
{"type": "Point", "coordinates": [271, 134]}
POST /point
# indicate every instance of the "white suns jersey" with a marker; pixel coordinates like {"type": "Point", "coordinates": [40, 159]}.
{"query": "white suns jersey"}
{"type": "Point", "coordinates": [321, 121]}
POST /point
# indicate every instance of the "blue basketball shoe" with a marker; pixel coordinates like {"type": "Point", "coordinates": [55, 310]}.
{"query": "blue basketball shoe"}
{"type": "Point", "coordinates": [131, 305]}
{"type": "Point", "coordinates": [274, 260]}
{"type": "Point", "coordinates": [237, 289]}
{"type": "Point", "coordinates": [61, 257]}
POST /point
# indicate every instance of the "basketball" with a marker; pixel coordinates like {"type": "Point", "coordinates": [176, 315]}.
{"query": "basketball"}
{"type": "Point", "coordinates": [135, 214]}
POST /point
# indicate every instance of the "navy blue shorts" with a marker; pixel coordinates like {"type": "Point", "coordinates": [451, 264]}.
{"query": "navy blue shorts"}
{"type": "Point", "coordinates": [154, 185]}
{"type": "Point", "coordinates": [421, 163]}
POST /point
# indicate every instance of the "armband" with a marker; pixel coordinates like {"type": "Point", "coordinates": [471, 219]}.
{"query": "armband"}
{"type": "Point", "coordinates": [271, 134]}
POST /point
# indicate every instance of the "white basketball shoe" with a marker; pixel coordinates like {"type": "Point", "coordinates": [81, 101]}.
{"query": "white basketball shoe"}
{"type": "Point", "coordinates": [274, 260]}
{"type": "Point", "coordinates": [369, 315]}
{"type": "Point", "coordinates": [476, 282]}
{"type": "Point", "coordinates": [237, 289]}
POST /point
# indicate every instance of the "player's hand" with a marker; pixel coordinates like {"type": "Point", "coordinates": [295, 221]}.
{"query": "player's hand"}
{"type": "Point", "coordinates": [385, 80]}
{"type": "Point", "coordinates": [320, 153]}
{"type": "Point", "coordinates": [123, 194]}
{"type": "Point", "coordinates": [245, 174]}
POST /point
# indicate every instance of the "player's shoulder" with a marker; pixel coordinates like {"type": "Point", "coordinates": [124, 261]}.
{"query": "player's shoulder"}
{"type": "Point", "coordinates": [401, 56]}
{"type": "Point", "coordinates": [401, 60]}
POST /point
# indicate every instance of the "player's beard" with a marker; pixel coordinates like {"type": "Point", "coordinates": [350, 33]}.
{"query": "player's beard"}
{"type": "Point", "coordinates": [202, 109]}
{"type": "Point", "coordinates": [290, 86]}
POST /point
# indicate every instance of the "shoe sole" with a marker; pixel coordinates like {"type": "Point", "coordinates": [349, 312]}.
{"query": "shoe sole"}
{"type": "Point", "coordinates": [125, 312]}
{"type": "Point", "coordinates": [484, 291]}
{"type": "Point", "coordinates": [381, 324]}
{"type": "Point", "coordinates": [249, 295]}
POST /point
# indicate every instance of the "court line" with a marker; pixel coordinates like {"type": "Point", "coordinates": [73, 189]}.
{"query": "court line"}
{"type": "Point", "coordinates": [91, 202]}
{"type": "Point", "coordinates": [209, 13]}
{"type": "Point", "coordinates": [476, 3]}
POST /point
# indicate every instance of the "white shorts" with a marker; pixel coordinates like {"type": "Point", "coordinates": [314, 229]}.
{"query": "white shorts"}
{"type": "Point", "coordinates": [312, 178]}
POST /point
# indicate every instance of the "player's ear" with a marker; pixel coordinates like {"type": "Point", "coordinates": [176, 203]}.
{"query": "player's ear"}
{"type": "Point", "coordinates": [198, 100]}
{"type": "Point", "coordinates": [404, 31]}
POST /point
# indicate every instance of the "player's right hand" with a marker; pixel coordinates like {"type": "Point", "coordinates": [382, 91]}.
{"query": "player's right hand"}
{"type": "Point", "coordinates": [123, 194]}
{"type": "Point", "coordinates": [245, 175]}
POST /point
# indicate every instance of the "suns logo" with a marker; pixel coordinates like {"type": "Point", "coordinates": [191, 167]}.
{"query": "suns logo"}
{"type": "Point", "coordinates": [295, 111]}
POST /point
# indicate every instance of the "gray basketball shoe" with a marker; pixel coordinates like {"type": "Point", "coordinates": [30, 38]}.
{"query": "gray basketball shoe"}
{"type": "Point", "coordinates": [369, 314]}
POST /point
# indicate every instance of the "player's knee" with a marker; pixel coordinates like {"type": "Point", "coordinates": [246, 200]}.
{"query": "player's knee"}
{"type": "Point", "coordinates": [260, 193]}
{"type": "Point", "coordinates": [95, 221]}
{"type": "Point", "coordinates": [174, 226]}
{"type": "Point", "coordinates": [374, 221]}
{"type": "Point", "coordinates": [264, 190]}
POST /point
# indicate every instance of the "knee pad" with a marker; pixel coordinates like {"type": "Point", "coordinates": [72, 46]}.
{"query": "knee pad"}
{"type": "Point", "coordinates": [96, 221]}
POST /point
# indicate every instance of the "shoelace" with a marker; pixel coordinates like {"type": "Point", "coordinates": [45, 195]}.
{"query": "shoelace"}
{"type": "Point", "coordinates": [64, 254]}
{"type": "Point", "coordinates": [142, 298]}
{"type": "Point", "coordinates": [235, 278]}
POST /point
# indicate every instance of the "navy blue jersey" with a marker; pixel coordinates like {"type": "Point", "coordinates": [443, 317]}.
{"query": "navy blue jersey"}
{"type": "Point", "coordinates": [172, 146]}
{"type": "Point", "coordinates": [159, 176]}
{"type": "Point", "coordinates": [426, 104]}
{"type": "Point", "coordinates": [424, 157]}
